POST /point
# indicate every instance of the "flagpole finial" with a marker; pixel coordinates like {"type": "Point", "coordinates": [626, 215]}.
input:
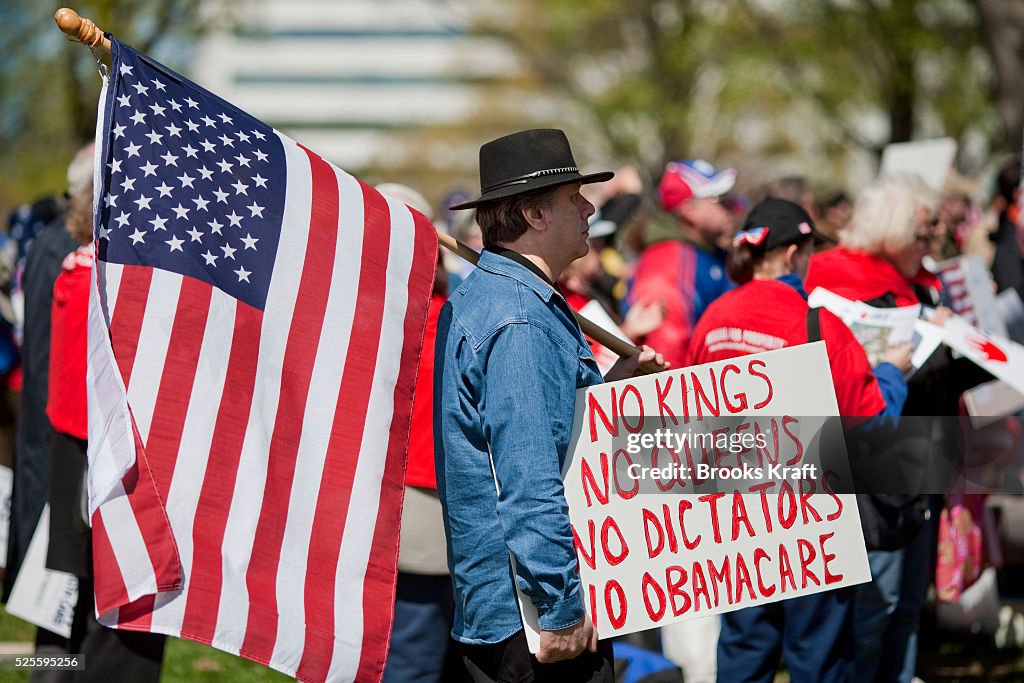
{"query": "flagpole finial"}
{"type": "Point", "coordinates": [81, 29]}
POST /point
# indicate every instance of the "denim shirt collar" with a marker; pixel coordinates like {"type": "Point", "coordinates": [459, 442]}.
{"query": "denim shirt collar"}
{"type": "Point", "coordinates": [794, 281]}
{"type": "Point", "coordinates": [496, 263]}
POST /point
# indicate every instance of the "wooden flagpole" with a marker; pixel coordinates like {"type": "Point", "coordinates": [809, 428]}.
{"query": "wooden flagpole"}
{"type": "Point", "coordinates": [86, 32]}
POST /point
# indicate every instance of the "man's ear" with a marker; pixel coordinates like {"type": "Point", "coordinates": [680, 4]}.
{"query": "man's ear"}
{"type": "Point", "coordinates": [536, 218]}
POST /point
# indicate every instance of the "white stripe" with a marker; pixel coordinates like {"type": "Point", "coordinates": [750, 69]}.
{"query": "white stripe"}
{"type": "Point", "coordinates": [194, 451]}
{"type": "Point", "coordinates": [252, 467]}
{"type": "Point", "coordinates": [361, 520]}
{"type": "Point", "coordinates": [128, 546]}
{"type": "Point", "coordinates": [317, 423]}
{"type": "Point", "coordinates": [154, 337]}
{"type": "Point", "coordinates": [110, 284]}
{"type": "Point", "coordinates": [111, 450]}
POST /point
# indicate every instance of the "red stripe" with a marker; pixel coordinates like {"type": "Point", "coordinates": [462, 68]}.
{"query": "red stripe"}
{"type": "Point", "coordinates": [176, 380]}
{"type": "Point", "coordinates": [204, 584]}
{"type": "Point", "coordinates": [381, 573]}
{"type": "Point", "coordinates": [107, 582]}
{"type": "Point", "coordinates": [138, 615]}
{"type": "Point", "coordinates": [297, 371]}
{"type": "Point", "coordinates": [126, 322]}
{"type": "Point", "coordinates": [346, 439]}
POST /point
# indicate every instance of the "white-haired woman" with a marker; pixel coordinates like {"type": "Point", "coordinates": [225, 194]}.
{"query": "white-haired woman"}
{"type": "Point", "coordinates": [879, 261]}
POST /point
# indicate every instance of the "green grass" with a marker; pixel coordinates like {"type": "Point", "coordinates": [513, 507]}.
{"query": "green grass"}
{"type": "Point", "coordinates": [184, 661]}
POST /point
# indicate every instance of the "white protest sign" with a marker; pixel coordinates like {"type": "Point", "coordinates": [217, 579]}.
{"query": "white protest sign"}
{"type": "Point", "coordinates": [708, 489]}
{"type": "Point", "coordinates": [595, 313]}
{"type": "Point", "coordinates": [998, 355]}
{"type": "Point", "coordinates": [990, 402]}
{"type": "Point", "coordinates": [967, 282]}
{"type": "Point", "coordinates": [42, 596]}
{"type": "Point", "coordinates": [874, 328]}
{"type": "Point", "coordinates": [930, 159]}
{"type": "Point", "coordinates": [6, 486]}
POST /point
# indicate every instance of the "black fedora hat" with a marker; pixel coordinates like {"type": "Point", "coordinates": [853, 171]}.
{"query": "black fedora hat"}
{"type": "Point", "coordinates": [525, 161]}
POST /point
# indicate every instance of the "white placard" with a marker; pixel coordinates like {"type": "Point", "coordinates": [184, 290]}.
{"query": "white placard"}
{"type": "Point", "coordinates": [680, 545]}
{"type": "Point", "coordinates": [875, 328]}
{"type": "Point", "coordinates": [604, 356]}
{"type": "Point", "coordinates": [970, 289]}
{"type": "Point", "coordinates": [991, 402]}
{"type": "Point", "coordinates": [42, 596]}
{"type": "Point", "coordinates": [998, 355]}
{"type": "Point", "coordinates": [6, 486]}
{"type": "Point", "coordinates": [930, 159]}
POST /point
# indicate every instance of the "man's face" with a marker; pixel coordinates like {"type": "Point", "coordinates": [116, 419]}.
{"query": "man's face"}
{"type": "Point", "coordinates": [707, 216]}
{"type": "Point", "coordinates": [567, 220]}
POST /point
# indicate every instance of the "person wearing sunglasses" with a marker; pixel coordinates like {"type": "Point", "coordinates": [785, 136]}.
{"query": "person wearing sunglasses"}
{"type": "Point", "coordinates": [769, 311]}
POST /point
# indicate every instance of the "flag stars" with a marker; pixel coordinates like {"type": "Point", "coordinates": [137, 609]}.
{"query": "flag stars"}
{"type": "Point", "coordinates": [175, 243]}
{"type": "Point", "coordinates": [229, 251]}
{"type": "Point", "coordinates": [118, 131]}
{"type": "Point", "coordinates": [154, 138]}
{"type": "Point", "coordinates": [225, 167]}
{"type": "Point", "coordinates": [201, 203]}
{"type": "Point", "coordinates": [115, 166]}
{"type": "Point", "coordinates": [210, 259]}
{"type": "Point", "coordinates": [157, 109]}
{"type": "Point", "coordinates": [192, 126]}
{"type": "Point", "coordinates": [138, 117]}
{"type": "Point", "coordinates": [192, 104]}
{"type": "Point", "coordinates": [208, 146]}
{"type": "Point", "coordinates": [158, 223]}
{"type": "Point", "coordinates": [104, 233]}
{"type": "Point", "coordinates": [170, 159]}
{"type": "Point", "coordinates": [208, 121]}
{"type": "Point", "coordinates": [256, 210]}
{"type": "Point", "coordinates": [128, 184]}
{"type": "Point", "coordinates": [243, 274]}
{"type": "Point", "coordinates": [234, 219]}
{"type": "Point", "coordinates": [261, 156]}
{"type": "Point", "coordinates": [175, 105]}
{"type": "Point", "coordinates": [216, 227]}
{"type": "Point", "coordinates": [224, 117]}
{"type": "Point", "coordinates": [226, 141]}
{"type": "Point", "coordinates": [195, 235]}
{"type": "Point", "coordinates": [148, 170]}
{"type": "Point", "coordinates": [242, 137]}
{"type": "Point", "coordinates": [143, 202]}
{"type": "Point", "coordinates": [180, 211]}
{"type": "Point", "coordinates": [190, 151]}
{"type": "Point", "coordinates": [164, 189]}
{"type": "Point", "coordinates": [158, 85]}
{"type": "Point", "coordinates": [110, 200]}
{"type": "Point", "coordinates": [250, 241]}
{"type": "Point", "coordinates": [258, 135]}
{"type": "Point", "coordinates": [243, 160]}
{"type": "Point", "coordinates": [126, 70]}
{"type": "Point", "coordinates": [186, 180]}
{"type": "Point", "coordinates": [221, 195]}
{"type": "Point", "coordinates": [206, 173]}
{"type": "Point", "coordinates": [133, 150]}
{"type": "Point", "coordinates": [240, 187]}
{"type": "Point", "coordinates": [140, 89]}
{"type": "Point", "coordinates": [173, 130]}
{"type": "Point", "coordinates": [259, 180]}
{"type": "Point", "coordinates": [122, 220]}
{"type": "Point", "coordinates": [124, 101]}
{"type": "Point", "coordinates": [138, 237]}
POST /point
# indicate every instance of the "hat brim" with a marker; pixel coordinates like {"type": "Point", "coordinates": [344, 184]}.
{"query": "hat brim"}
{"type": "Point", "coordinates": [535, 184]}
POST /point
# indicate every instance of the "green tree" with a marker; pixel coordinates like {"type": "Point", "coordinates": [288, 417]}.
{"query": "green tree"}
{"type": "Point", "coordinates": [49, 88]}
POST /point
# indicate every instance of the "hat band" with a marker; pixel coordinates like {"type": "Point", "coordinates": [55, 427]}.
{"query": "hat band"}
{"type": "Point", "coordinates": [519, 180]}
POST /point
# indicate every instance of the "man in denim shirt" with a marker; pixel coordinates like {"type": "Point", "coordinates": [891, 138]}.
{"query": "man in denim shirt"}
{"type": "Point", "coordinates": [509, 359]}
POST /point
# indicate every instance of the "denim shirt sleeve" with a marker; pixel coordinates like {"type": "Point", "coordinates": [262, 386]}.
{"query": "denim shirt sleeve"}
{"type": "Point", "coordinates": [531, 378]}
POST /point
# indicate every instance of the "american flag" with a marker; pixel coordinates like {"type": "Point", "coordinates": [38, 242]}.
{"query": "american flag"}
{"type": "Point", "coordinates": [254, 336]}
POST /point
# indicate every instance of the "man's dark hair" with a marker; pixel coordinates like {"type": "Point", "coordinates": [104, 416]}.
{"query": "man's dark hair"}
{"type": "Point", "coordinates": [502, 220]}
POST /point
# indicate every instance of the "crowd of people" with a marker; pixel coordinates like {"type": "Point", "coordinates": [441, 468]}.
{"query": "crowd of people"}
{"type": "Point", "coordinates": [503, 356]}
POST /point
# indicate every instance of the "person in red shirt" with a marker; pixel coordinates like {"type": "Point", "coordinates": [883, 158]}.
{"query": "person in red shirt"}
{"type": "Point", "coordinates": [769, 311]}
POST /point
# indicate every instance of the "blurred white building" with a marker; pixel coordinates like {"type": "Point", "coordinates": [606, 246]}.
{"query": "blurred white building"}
{"type": "Point", "coordinates": [348, 77]}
